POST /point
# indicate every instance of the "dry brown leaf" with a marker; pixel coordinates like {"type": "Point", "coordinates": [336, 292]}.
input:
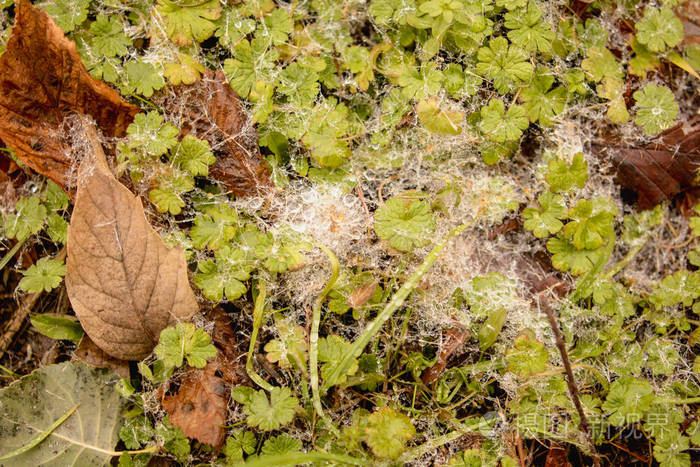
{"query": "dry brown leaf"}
{"type": "Point", "coordinates": [660, 170]}
{"type": "Point", "coordinates": [557, 457]}
{"type": "Point", "coordinates": [42, 80]}
{"type": "Point", "coordinates": [90, 353]}
{"type": "Point", "coordinates": [200, 406]}
{"type": "Point", "coordinates": [230, 358]}
{"type": "Point", "coordinates": [124, 284]}
{"type": "Point", "coordinates": [211, 110]}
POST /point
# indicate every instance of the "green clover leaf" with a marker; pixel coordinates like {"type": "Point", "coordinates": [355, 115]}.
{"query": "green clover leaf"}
{"type": "Point", "coordinates": [562, 176]}
{"type": "Point", "coordinates": [28, 218]}
{"type": "Point", "coordinates": [565, 256]}
{"type": "Point", "coordinates": [194, 155]}
{"type": "Point", "coordinates": [591, 225]}
{"type": "Point", "coordinates": [188, 22]}
{"type": "Point", "coordinates": [659, 29]}
{"type": "Point", "coordinates": [628, 400]}
{"type": "Point", "coordinates": [168, 196]}
{"type": "Point", "coordinates": [546, 220]}
{"type": "Point", "coordinates": [251, 62]}
{"type": "Point", "coordinates": [331, 351]}
{"type": "Point", "coordinates": [184, 342]}
{"type": "Point", "coordinates": [187, 70]}
{"type": "Point", "coordinates": [174, 440]}
{"type": "Point", "coordinates": [232, 26]}
{"type": "Point", "coordinates": [263, 413]}
{"type": "Point", "coordinates": [282, 444]}
{"type": "Point", "coordinates": [527, 356]}
{"type": "Point", "coordinates": [290, 349]}
{"type": "Point", "coordinates": [507, 65]}
{"type": "Point", "coordinates": [599, 63]}
{"type": "Point", "coordinates": [225, 275]}
{"type": "Point", "coordinates": [109, 38]}
{"type": "Point", "coordinates": [657, 109]}
{"type": "Point", "coordinates": [148, 133]}
{"type": "Point", "coordinates": [541, 103]}
{"type": "Point", "coordinates": [143, 78]}
{"type": "Point", "coordinates": [299, 84]}
{"type": "Point", "coordinates": [501, 126]}
{"type": "Point", "coordinates": [404, 222]}
{"type": "Point", "coordinates": [46, 274]}
{"type": "Point", "coordinates": [528, 30]}
{"type": "Point", "coordinates": [239, 442]}
{"type": "Point", "coordinates": [68, 14]}
{"type": "Point", "coordinates": [215, 228]}
{"type": "Point", "coordinates": [679, 288]}
{"type": "Point", "coordinates": [387, 431]}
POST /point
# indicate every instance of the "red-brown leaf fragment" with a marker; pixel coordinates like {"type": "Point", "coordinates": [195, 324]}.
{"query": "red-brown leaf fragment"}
{"type": "Point", "coordinates": [230, 358]}
{"type": "Point", "coordinates": [200, 406]}
{"type": "Point", "coordinates": [211, 110]}
{"type": "Point", "coordinates": [124, 284]}
{"type": "Point", "coordinates": [454, 339]}
{"type": "Point", "coordinates": [556, 457]}
{"type": "Point", "coordinates": [660, 170]}
{"type": "Point", "coordinates": [42, 80]}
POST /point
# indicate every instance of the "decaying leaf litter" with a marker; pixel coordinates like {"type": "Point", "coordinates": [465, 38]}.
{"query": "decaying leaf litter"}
{"type": "Point", "coordinates": [412, 314]}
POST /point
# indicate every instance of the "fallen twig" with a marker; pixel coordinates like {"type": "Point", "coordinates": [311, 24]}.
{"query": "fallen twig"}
{"type": "Point", "coordinates": [570, 381]}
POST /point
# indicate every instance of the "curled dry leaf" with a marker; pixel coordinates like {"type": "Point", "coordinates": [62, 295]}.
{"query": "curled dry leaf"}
{"type": "Point", "coordinates": [659, 170]}
{"type": "Point", "coordinates": [42, 80]}
{"type": "Point", "coordinates": [88, 352]}
{"type": "Point", "coordinates": [200, 406]}
{"type": "Point", "coordinates": [211, 110]}
{"type": "Point", "coordinates": [124, 284]}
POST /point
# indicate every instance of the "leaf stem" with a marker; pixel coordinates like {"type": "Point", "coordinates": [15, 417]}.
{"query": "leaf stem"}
{"type": "Point", "coordinates": [691, 400]}
{"type": "Point", "coordinates": [8, 256]}
{"type": "Point", "coordinates": [297, 458]}
{"type": "Point", "coordinates": [258, 313]}
{"type": "Point", "coordinates": [396, 301]}
{"type": "Point", "coordinates": [315, 324]}
{"type": "Point", "coordinates": [441, 440]}
{"type": "Point", "coordinates": [41, 436]}
{"type": "Point", "coordinates": [620, 265]}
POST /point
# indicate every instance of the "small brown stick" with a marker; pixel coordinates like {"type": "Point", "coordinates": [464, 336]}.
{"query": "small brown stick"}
{"type": "Point", "coordinates": [520, 449]}
{"type": "Point", "coordinates": [364, 203]}
{"type": "Point", "coordinates": [570, 381]}
{"type": "Point", "coordinates": [635, 455]}
{"type": "Point", "coordinates": [15, 324]}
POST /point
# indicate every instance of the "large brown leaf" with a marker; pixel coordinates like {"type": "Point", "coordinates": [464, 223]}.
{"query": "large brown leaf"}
{"type": "Point", "coordinates": [211, 110]}
{"type": "Point", "coordinates": [124, 284]}
{"type": "Point", "coordinates": [200, 406]}
{"type": "Point", "coordinates": [42, 80]}
{"type": "Point", "coordinates": [659, 170]}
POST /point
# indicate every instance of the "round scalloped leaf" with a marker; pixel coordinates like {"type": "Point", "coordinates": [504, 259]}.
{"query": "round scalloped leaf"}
{"type": "Point", "coordinates": [29, 406]}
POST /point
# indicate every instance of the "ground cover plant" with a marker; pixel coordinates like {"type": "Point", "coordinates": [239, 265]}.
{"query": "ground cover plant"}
{"type": "Point", "coordinates": [347, 232]}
